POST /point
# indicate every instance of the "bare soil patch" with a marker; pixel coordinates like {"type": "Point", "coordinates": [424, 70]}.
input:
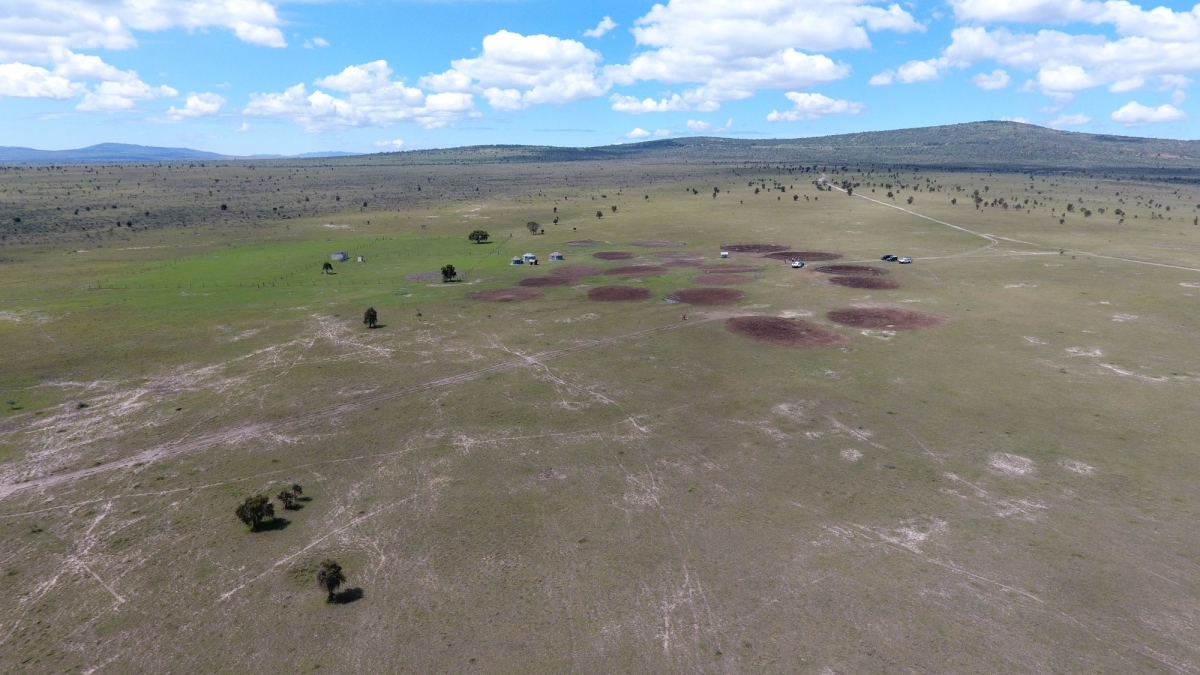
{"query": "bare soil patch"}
{"type": "Point", "coordinates": [873, 283]}
{"type": "Point", "coordinates": [774, 330]}
{"type": "Point", "coordinates": [753, 248]}
{"type": "Point", "coordinates": [424, 276]}
{"type": "Point", "coordinates": [619, 293]}
{"type": "Point", "coordinates": [614, 255]}
{"type": "Point", "coordinates": [541, 282]}
{"type": "Point", "coordinates": [575, 271]}
{"type": "Point", "coordinates": [505, 294]}
{"type": "Point", "coordinates": [584, 242]}
{"type": "Point", "coordinates": [659, 243]}
{"type": "Point", "coordinates": [636, 271]}
{"type": "Point", "coordinates": [853, 270]}
{"type": "Point", "coordinates": [723, 279]}
{"type": "Point", "coordinates": [729, 269]}
{"type": "Point", "coordinates": [806, 256]}
{"type": "Point", "coordinates": [886, 318]}
{"type": "Point", "coordinates": [708, 296]}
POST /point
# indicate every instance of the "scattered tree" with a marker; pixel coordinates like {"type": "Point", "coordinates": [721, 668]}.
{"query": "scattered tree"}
{"type": "Point", "coordinates": [287, 498]}
{"type": "Point", "coordinates": [330, 577]}
{"type": "Point", "coordinates": [327, 268]}
{"type": "Point", "coordinates": [599, 214]}
{"type": "Point", "coordinates": [910, 200]}
{"type": "Point", "coordinates": [255, 510]}
{"type": "Point", "coordinates": [533, 227]}
{"type": "Point", "coordinates": [478, 236]}
{"type": "Point", "coordinates": [614, 208]}
{"type": "Point", "coordinates": [448, 273]}
{"type": "Point", "coordinates": [370, 317]}
{"type": "Point", "coordinates": [297, 489]}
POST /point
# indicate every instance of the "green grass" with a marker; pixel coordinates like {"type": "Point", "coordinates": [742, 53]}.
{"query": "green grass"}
{"type": "Point", "coordinates": [555, 485]}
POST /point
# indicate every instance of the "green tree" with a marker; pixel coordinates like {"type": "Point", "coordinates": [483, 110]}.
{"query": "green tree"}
{"type": "Point", "coordinates": [297, 489]}
{"type": "Point", "coordinates": [533, 227]}
{"type": "Point", "coordinates": [448, 273]}
{"type": "Point", "coordinates": [371, 317]}
{"type": "Point", "coordinates": [478, 236]}
{"type": "Point", "coordinates": [599, 214]}
{"type": "Point", "coordinates": [330, 577]}
{"type": "Point", "coordinates": [287, 498]}
{"type": "Point", "coordinates": [255, 510]}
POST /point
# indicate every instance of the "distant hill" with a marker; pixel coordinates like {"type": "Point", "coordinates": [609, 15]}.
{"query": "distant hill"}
{"type": "Point", "coordinates": [124, 152]}
{"type": "Point", "coordinates": [976, 145]}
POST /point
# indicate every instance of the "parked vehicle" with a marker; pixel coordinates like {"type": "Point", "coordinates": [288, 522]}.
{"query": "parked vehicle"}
{"type": "Point", "coordinates": [905, 261]}
{"type": "Point", "coordinates": [797, 264]}
{"type": "Point", "coordinates": [888, 258]}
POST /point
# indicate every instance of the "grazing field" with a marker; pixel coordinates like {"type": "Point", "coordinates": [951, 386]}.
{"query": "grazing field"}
{"type": "Point", "coordinates": [984, 461]}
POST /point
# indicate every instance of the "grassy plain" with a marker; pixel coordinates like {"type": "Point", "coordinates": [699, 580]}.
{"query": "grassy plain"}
{"type": "Point", "coordinates": [560, 485]}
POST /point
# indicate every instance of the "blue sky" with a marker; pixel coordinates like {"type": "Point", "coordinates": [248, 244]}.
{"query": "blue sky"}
{"type": "Point", "coordinates": [272, 76]}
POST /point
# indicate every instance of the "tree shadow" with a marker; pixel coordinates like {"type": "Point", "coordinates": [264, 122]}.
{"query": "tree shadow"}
{"type": "Point", "coordinates": [294, 507]}
{"type": "Point", "coordinates": [304, 499]}
{"type": "Point", "coordinates": [273, 525]}
{"type": "Point", "coordinates": [378, 325]}
{"type": "Point", "coordinates": [347, 596]}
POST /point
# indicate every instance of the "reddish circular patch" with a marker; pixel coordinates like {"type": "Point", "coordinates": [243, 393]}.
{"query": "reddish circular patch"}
{"type": "Point", "coordinates": [873, 283]}
{"type": "Point", "coordinates": [619, 293]}
{"type": "Point", "coordinates": [723, 279]}
{"type": "Point", "coordinates": [636, 271]}
{"type": "Point", "coordinates": [614, 255]}
{"type": "Point", "coordinates": [853, 270]}
{"type": "Point", "coordinates": [584, 242]}
{"type": "Point", "coordinates": [886, 318]}
{"type": "Point", "coordinates": [575, 271]}
{"type": "Point", "coordinates": [506, 294]}
{"type": "Point", "coordinates": [659, 244]}
{"type": "Point", "coordinates": [540, 282]}
{"type": "Point", "coordinates": [780, 332]}
{"type": "Point", "coordinates": [806, 256]}
{"type": "Point", "coordinates": [753, 248]}
{"type": "Point", "coordinates": [424, 276]}
{"type": "Point", "coordinates": [729, 269]}
{"type": "Point", "coordinates": [708, 296]}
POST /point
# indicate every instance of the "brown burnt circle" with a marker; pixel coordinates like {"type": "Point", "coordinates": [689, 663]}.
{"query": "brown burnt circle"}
{"type": "Point", "coordinates": [853, 270]}
{"type": "Point", "coordinates": [806, 256]}
{"type": "Point", "coordinates": [708, 296]}
{"type": "Point", "coordinates": [753, 248]}
{"type": "Point", "coordinates": [872, 283]}
{"type": "Point", "coordinates": [619, 293]}
{"type": "Point", "coordinates": [782, 332]}
{"type": "Point", "coordinates": [886, 318]}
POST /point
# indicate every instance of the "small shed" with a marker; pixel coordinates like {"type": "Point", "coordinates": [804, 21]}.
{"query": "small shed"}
{"type": "Point", "coordinates": [516, 260]}
{"type": "Point", "coordinates": [556, 257]}
{"type": "Point", "coordinates": [529, 258]}
{"type": "Point", "coordinates": [340, 257]}
{"type": "Point", "coordinates": [724, 254]}
{"type": "Point", "coordinates": [361, 259]}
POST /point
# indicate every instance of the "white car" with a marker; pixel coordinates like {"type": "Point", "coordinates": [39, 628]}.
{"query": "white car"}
{"type": "Point", "coordinates": [904, 261]}
{"type": "Point", "coordinates": [797, 264]}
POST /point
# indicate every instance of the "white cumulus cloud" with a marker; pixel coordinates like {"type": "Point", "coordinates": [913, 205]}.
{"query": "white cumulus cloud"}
{"type": "Point", "coordinates": [997, 79]}
{"type": "Point", "coordinates": [197, 105]}
{"type": "Point", "coordinates": [371, 98]}
{"type": "Point", "coordinates": [638, 133]}
{"type": "Point", "coordinates": [390, 145]}
{"type": "Point", "coordinates": [813, 106]}
{"type": "Point", "coordinates": [1070, 121]}
{"type": "Point", "coordinates": [1134, 114]}
{"type": "Point", "coordinates": [516, 71]}
{"type": "Point", "coordinates": [729, 50]}
{"type": "Point", "coordinates": [606, 24]}
{"type": "Point", "coordinates": [316, 42]}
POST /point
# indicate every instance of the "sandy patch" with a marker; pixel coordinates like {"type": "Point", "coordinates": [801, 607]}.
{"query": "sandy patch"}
{"type": "Point", "coordinates": [1077, 466]}
{"type": "Point", "coordinates": [851, 455]}
{"type": "Point", "coordinates": [1121, 318]}
{"type": "Point", "coordinates": [1010, 465]}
